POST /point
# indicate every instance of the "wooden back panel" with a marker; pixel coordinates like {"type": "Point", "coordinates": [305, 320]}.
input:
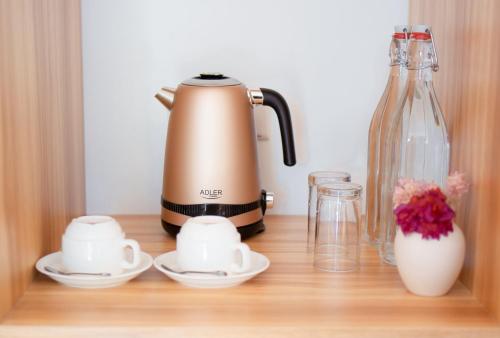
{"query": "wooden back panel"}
{"type": "Point", "coordinates": [41, 134]}
{"type": "Point", "coordinates": [468, 87]}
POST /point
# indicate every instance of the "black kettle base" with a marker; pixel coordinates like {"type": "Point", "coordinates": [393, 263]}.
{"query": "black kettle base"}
{"type": "Point", "coordinates": [245, 231]}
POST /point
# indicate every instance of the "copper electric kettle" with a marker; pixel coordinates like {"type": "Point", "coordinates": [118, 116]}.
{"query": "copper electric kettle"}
{"type": "Point", "coordinates": [211, 152]}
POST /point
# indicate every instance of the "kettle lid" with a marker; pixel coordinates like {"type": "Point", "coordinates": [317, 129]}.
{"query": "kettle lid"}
{"type": "Point", "coordinates": [211, 80]}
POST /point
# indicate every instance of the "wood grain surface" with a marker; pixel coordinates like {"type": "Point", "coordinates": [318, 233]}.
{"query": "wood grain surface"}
{"type": "Point", "coordinates": [290, 299]}
{"type": "Point", "coordinates": [41, 134]}
{"type": "Point", "coordinates": [468, 86]}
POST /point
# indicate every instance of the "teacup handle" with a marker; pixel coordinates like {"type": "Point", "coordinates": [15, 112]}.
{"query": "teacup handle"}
{"type": "Point", "coordinates": [136, 252]}
{"type": "Point", "coordinates": [245, 258]}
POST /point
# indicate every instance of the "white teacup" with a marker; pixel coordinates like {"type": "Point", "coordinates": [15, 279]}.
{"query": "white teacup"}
{"type": "Point", "coordinates": [210, 243]}
{"type": "Point", "coordinates": [97, 244]}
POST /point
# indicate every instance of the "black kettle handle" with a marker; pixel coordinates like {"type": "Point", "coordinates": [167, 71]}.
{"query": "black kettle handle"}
{"type": "Point", "coordinates": [274, 100]}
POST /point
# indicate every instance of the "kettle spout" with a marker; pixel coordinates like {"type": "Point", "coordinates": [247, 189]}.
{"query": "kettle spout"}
{"type": "Point", "coordinates": [166, 97]}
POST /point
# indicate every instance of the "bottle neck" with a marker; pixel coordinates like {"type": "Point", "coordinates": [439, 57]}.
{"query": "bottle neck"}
{"type": "Point", "coordinates": [397, 52]}
{"type": "Point", "coordinates": [398, 70]}
{"type": "Point", "coordinates": [424, 74]}
{"type": "Point", "coordinates": [421, 58]}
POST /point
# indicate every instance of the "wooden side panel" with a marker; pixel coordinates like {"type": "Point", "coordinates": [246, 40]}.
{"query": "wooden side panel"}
{"type": "Point", "coordinates": [468, 86]}
{"type": "Point", "coordinates": [41, 134]}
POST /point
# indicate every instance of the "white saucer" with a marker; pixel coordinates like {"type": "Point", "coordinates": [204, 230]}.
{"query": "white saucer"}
{"type": "Point", "coordinates": [91, 282]}
{"type": "Point", "coordinates": [259, 264]}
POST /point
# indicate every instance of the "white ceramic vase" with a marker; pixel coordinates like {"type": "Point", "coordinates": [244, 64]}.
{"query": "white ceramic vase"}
{"type": "Point", "coordinates": [429, 267]}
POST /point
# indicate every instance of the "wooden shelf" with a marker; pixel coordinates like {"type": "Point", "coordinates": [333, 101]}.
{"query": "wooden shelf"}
{"type": "Point", "coordinates": [290, 299]}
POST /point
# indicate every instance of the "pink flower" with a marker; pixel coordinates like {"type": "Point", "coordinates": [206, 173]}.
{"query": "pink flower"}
{"type": "Point", "coordinates": [426, 213]}
{"type": "Point", "coordinates": [424, 208]}
{"type": "Point", "coordinates": [400, 196]}
{"type": "Point", "coordinates": [407, 188]}
{"type": "Point", "coordinates": [457, 185]}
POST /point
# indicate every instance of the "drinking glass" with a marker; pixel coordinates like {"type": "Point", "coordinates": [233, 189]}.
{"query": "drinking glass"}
{"type": "Point", "coordinates": [316, 178]}
{"type": "Point", "coordinates": [338, 226]}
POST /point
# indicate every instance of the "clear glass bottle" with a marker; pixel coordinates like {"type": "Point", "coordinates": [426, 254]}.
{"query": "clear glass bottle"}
{"type": "Point", "coordinates": [417, 145]}
{"type": "Point", "coordinates": [379, 126]}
